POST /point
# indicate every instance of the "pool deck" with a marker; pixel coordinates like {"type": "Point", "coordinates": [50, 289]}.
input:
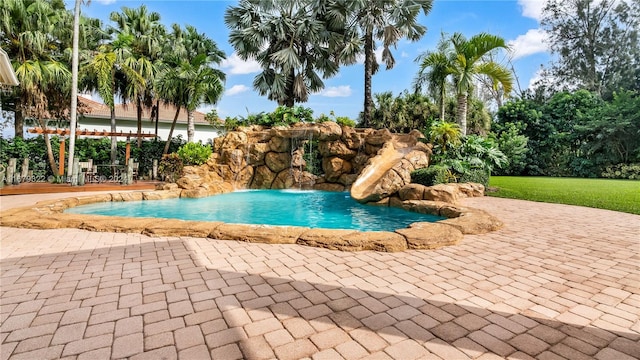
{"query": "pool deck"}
{"type": "Point", "coordinates": [556, 282]}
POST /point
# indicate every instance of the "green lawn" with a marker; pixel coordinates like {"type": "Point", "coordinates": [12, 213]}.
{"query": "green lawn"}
{"type": "Point", "coordinates": [618, 195]}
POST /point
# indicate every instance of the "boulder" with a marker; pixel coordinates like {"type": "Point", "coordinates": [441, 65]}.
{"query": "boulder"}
{"type": "Point", "coordinates": [352, 138]}
{"type": "Point", "coordinates": [418, 159]}
{"type": "Point", "coordinates": [117, 224]}
{"type": "Point", "coordinates": [352, 240]}
{"type": "Point", "coordinates": [190, 181]}
{"type": "Point", "coordinates": [347, 179]}
{"type": "Point", "coordinates": [278, 161]}
{"type": "Point", "coordinates": [160, 194]}
{"type": "Point", "coordinates": [294, 178]}
{"type": "Point", "coordinates": [296, 131]}
{"type": "Point", "coordinates": [442, 192]}
{"type": "Point", "coordinates": [336, 148]}
{"type": "Point", "coordinates": [419, 206]}
{"type": "Point", "coordinates": [163, 186]}
{"type": "Point", "coordinates": [426, 235]}
{"type": "Point", "coordinates": [334, 167]}
{"type": "Point", "coordinates": [411, 192]}
{"type": "Point", "coordinates": [378, 137]}
{"type": "Point", "coordinates": [195, 193]}
{"type": "Point", "coordinates": [256, 153]}
{"type": "Point", "coordinates": [244, 177]}
{"type": "Point", "coordinates": [279, 144]}
{"type": "Point", "coordinates": [329, 131]}
{"type": "Point", "coordinates": [262, 178]}
{"type": "Point", "coordinates": [233, 140]}
{"type": "Point", "coordinates": [474, 222]}
{"type": "Point", "coordinates": [258, 233]}
{"type": "Point", "coordinates": [91, 199]}
{"type": "Point", "coordinates": [235, 159]}
{"type": "Point", "coordinates": [297, 158]}
{"type": "Point", "coordinates": [175, 227]}
{"type": "Point", "coordinates": [329, 187]}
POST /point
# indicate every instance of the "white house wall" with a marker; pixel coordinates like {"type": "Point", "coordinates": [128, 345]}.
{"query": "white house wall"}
{"type": "Point", "coordinates": [204, 133]}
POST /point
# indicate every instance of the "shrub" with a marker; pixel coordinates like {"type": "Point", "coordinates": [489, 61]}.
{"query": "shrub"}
{"type": "Point", "coordinates": [194, 153]}
{"type": "Point", "coordinates": [622, 171]}
{"type": "Point", "coordinates": [480, 176]}
{"type": "Point", "coordinates": [345, 121]}
{"type": "Point", "coordinates": [170, 168]}
{"type": "Point", "coordinates": [432, 175]}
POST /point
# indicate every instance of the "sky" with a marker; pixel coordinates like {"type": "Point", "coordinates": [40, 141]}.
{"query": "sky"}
{"type": "Point", "coordinates": [517, 21]}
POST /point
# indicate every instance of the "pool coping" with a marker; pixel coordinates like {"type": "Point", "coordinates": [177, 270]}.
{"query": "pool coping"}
{"type": "Point", "coordinates": [49, 214]}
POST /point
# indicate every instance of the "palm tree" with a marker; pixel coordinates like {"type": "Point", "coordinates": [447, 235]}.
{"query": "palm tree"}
{"type": "Point", "coordinates": [387, 21]}
{"type": "Point", "coordinates": [469, 62]}
{"type": "Point", "coordinates": [434, 71]}
{"type": "Point", "coordinates": [144, 52]}
{"type": "Point", "coordinates": [186, 78]}
{"type": "Point", "coordinates": [297, 43]}
{"type": "Point", "coordinates": [107, 73]}
{"type": "Point", "coordinates": [462, 60]}
{"type": "Point", "coordinates": [445, 133]}
{"type": "Point", "coordinates": [33, 34]}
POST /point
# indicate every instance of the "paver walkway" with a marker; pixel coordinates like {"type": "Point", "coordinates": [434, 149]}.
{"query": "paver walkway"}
{"type": "Point", "coordinates": [557, 282]}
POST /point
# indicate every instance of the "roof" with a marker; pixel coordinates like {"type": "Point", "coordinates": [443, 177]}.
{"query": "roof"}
{"type": "Point", "coordinates": [7, 75]}
{"type": "Point", "coordinates": [91, 108]}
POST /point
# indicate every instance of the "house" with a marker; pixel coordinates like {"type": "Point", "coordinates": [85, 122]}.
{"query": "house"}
{"type": "Point", "coordinates": [95, 115]}
{"type": "Point", "coordinates": [7, 75]}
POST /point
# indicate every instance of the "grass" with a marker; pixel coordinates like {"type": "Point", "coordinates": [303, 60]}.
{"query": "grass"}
{"type": "Point", "coordinates": [617, 195]}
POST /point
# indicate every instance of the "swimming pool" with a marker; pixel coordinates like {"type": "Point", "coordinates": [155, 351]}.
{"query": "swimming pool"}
{"type": "Point", "coordinates": [307, 208]}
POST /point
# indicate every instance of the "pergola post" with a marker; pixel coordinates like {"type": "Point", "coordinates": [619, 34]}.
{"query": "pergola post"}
{"type": "Point", "coordinates": [61, 163]}
{"type": "Point", "coordinates": [127, 152]}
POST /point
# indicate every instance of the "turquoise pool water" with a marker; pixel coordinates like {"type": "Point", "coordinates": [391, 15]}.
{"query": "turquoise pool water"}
{"type": "Point", "coordinates": [315, 209]}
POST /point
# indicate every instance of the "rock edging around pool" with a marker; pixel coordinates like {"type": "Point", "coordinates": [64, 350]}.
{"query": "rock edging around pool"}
{"type": "Point", "coordinates": [421, 235]}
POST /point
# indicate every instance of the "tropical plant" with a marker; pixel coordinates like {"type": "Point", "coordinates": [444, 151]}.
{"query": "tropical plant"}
{"type": "Point", "coordinates": [186, 77]}
{"type": "Point", "coordinates": [194, 153]}
{"type": "Point", "coordinates": [388, 21]}
{"type": "Point", "coordinates": [170, 167]}
{"type": "Point", "coordinates": [444, 134]}
{"type": "Point", "coordinates": [401, 114]}
{"type": "Point", "coordinates": [434, 71]}
{"type": "Point", "coordinates": [464, 60]}
{"type": "Point", "coordinates": [144, 51]}
{"type": "Point", "coordinates": [296, 42]}
{"type": "Point", "coordinates": [35, 35]}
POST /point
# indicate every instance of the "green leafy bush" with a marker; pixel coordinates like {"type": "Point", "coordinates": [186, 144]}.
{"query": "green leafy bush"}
{"type": "Point", "coordinates": [622, 171]}
{"type": "Point", "coordinates": [432, 175]}
{"type": "Point", "coordinates": [480, 176]}
{"type": "Point", "coordinates": [345, 121]}
{"type": "Point", "coordinates": [170, 168]}
{"type": "Point", "coordinates": [194, 153]}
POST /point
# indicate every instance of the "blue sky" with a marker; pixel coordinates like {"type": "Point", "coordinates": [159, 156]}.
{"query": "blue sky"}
{"type": "Point", "coordinates": [517, 21]}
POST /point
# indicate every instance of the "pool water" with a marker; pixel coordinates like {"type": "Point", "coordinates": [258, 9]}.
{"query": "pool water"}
{"type": "Point", "coordinates": [314, 209]}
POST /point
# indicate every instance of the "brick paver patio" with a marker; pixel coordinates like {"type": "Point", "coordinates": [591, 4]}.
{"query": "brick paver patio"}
{"type": "Point", "coordinates": [557, 282]}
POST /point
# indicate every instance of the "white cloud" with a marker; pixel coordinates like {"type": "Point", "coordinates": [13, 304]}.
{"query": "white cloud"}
{"type": "Point", "coordinates": [236, 89]}
{"type": "Point", "coordinates": [336, 91]}
{"type": "Point", "coordinates": [106, 2]}
{"type": "Point", "coordinates": [528, 44]}
{"type": "Point", "coordinates": [532, 8]}
{"type": "Point", "coordinates": [238, 66]}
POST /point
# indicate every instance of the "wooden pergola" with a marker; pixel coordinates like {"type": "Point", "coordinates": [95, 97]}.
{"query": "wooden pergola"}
{"type": "Point", "coordinates": [85, 132]}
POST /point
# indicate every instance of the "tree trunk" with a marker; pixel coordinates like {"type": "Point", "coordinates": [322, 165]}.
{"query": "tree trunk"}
{"type": "Point", "coordinates": [442, 95]}
{"type": "Point", "coordinates": [191, 127]}
{"type": "Point", "coordinates": [173, 125]}
{"type": "Point", "coordinates": [114, 140]}
{"type": "Point", "coordinates": [139, 116]}
{"type": "Point", "coordinates": [47, 142]}
{"type": "Point", "coordinates": [19, 123]}
{"type": "Point", "coordinates": [462, 113]}
{"type": "Point", "coordinates": [157, 116]}
{"type": "Point", "coordinates": [368, 72]}
{"type": "Point", "coordinates": [73, 113]}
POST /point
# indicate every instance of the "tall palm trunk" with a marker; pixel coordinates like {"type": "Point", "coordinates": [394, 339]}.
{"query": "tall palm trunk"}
{"type": "Point", "coordinates": [139, 116]}
{"type": "Point", "coordinates": [442, 95]}
{"type": "Point", "coordinates": [19, 123]}
{"type": "Point", "coordinates": [114, 140]}
{"type": "Point", "coordinates": [47, 142]}
{"type": "Point", "coordinates": [191, 126]}
{"type": "Point", "coordinates": [368, 72]}
{"type": "Point", "coordinates": [157, 116]}
{"type": "Point", "coordinates": [462, 113]}
{"type": "Point", "coordinates": [173, 125]}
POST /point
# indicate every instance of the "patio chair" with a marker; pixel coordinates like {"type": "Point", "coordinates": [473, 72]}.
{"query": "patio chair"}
{"type": "Point", "coordinates": [135, 171]}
